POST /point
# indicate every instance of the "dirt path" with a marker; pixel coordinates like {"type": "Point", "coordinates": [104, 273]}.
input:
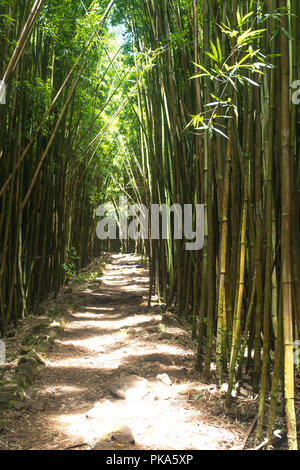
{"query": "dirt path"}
{"type": "Point", "coordinates": [106, 344]}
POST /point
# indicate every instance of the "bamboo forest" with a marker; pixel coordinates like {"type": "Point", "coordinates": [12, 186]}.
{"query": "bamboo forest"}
{"type": "Point", "coordinates": [150, 227]}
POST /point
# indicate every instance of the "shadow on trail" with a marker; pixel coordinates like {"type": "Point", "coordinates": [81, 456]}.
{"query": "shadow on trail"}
{"type": "Point", "coordinates": [102, 343]}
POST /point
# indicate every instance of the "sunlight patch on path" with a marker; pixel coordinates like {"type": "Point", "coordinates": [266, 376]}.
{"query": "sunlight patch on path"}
{"type": "Point", "coordinates": [151, 422]}
{"type": "Point", "coordinates": [103, 343]}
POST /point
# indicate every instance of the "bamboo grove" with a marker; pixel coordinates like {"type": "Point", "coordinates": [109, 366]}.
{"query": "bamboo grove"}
{"type": "Point", "coordinates": [46, 187]}
{"type": "Point", "coordinates": [207, 116]}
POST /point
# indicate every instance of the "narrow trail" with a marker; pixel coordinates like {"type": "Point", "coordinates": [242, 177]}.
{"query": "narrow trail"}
{"type": "Point", "coordinates": [101, 379]}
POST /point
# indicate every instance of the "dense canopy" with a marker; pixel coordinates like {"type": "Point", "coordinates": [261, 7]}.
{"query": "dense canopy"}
{"type": "Point", "coordinates": [164, 102]}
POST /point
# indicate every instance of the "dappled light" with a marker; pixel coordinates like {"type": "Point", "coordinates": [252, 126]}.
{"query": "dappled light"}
{"type": "Point", "coordinates": [99, 348]}
{"type": "Point", "coordinates": [149, 225]}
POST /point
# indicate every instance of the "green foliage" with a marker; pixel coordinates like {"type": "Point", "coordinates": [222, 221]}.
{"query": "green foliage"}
{"type": "Point", "coordinates": [225, 74]}
{"type": "Point", "coordinates": [71, 264]}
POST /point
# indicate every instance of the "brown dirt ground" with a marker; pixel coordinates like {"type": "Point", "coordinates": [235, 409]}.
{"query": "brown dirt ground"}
{"type": "Point", "coordinates": [113, 334]}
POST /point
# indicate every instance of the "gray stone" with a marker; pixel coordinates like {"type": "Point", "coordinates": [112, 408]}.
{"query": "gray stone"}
{"type": "Point", "coordinates": [37, 357]}
{"type": "Point", "coordinates": [54, 331]}
{"type": "Point", "coordinates": [24, 374]}
{"type": "Point", "coordinates": [9, 388]}
{"type": "Point", "coordinates": [93, 286]}
{"type": "Point", "coordinates": [41, 328]}
{"type": "Point", "coordinates": [164, 378]}
{"type": "Point", "coordinates": [169, 319]}
{"type": "Point", "coordinates": [8, 376]}
{"type": "Point", "coordinates": [2, 352]}
{"type": "Point", "coordinates": [21, 380]}
{"type": "Point", "coordinates": [248, 387]}
{"type": "Point", "coordinates": [8, 393]}
{"type": "Point", "coordinates": [121, 438]}
{"type": "Point", "coordinates": [151, 365]}
{"type": "Point", "coordinates": [35, 405]}
{"type": "Point", "coordinates": [165, 335]}
{"type": "Point", "coordinates": [153, 329]}
{"type": "Point", "coordinates": [17, 405]}
{"type": "Point", "coordinates": [30, 361]}
{"type": "Point", "coordinates": [123, 435]}
{"type": "Point", "coordinates": [243, 392]}
{"type": "Point", "coordinates": [41, 338]}
{"type": "Point", "coordinates": [68, 290]}
{"type": "Point", "coordinates": [131, 387]}
{"type": "Point", "coordinates": [10, 334]}
{"type": "Point", "coordinates": [5, 398]}
{"type": "Point", "coordinates": [45, 346]}
{"type": "Point", "coordinates": [26, 368]}
{"type": "Point", "coordinates": [105, 445]}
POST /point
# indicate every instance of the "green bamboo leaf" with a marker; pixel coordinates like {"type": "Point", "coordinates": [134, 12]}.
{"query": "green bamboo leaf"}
{"type": "Point", "coordinates": [251, 81]}
{"type": "Point", "coordinates": [219, 49]}
{"type": "Point", "coordinates": [211, 56]}
{"type": "Point", "coordinates": [215, 52]}
{"type": "Point", "coordinates": [219, 131]}
{"type": "Point", "coordinates": [289, 36]}
{"type": "Point", "coordinates": [247, 16]}
{"type": "Point", "coordinates": [202, 68]}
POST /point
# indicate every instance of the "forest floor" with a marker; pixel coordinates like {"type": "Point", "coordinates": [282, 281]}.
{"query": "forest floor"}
{"type": "Point", "coordinates": [119, 377]}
